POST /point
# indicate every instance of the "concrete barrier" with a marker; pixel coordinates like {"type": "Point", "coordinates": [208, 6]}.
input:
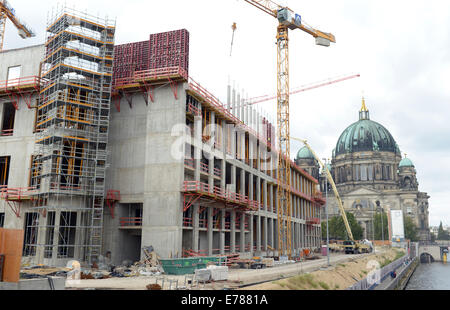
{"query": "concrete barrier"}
{"type": "Point", "coordinates": [44, 284]}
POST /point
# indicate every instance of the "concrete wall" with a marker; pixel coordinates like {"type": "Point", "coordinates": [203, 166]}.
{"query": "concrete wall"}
{"type": "Point", "coordinates": [20, 146]}
{"type": "Point", "coordinates": [144, 171]}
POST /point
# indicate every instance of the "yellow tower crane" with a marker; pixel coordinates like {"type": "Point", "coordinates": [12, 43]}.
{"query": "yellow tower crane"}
{"type": "Point", "coordinates": [287, 19]}
{"type": "Point", "coordinates": [7, 12]}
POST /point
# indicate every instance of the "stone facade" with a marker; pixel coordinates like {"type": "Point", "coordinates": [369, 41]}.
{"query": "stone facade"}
{"type": "Point", "coordinates": [372, 177]}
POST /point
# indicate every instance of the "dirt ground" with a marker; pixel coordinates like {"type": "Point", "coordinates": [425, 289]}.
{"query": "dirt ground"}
{"type": "Point", "coordinates": [338, 277]}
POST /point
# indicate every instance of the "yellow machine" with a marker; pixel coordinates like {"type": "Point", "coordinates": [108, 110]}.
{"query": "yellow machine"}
{"type": "Point", "coordinates": [287, 19]}
{"type": "Point", "coordinates": [349, 246]}
{"type": "Point", "coordinates": [7, 12]}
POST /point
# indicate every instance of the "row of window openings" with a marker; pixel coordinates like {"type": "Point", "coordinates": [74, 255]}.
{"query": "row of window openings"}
{"type": "Point", "coordinates": [364, 173]}
{"type": "Point", "coordinates": [297, 181]}
{"type": "Point", "coordinates": [66, 234]}
{"type": "Point", "coordinates": [69, 169]}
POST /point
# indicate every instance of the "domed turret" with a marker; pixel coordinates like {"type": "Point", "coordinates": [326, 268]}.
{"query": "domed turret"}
{"type": "Point", "coordinates": [304, 153]}
{"type": "Point", "coordinates": [365, 135]}
{"type": "Point", "coordinates": [405, 162]}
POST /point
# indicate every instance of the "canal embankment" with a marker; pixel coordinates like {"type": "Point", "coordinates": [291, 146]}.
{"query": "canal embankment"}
{"type": "Point", "coordinates": [340, 276]}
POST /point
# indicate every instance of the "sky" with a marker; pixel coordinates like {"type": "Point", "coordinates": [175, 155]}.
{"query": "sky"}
{"type": "Point", "coordinates": [400, 48]}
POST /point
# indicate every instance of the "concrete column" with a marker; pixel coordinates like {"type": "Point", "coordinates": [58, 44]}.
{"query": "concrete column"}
{"type": "Point", "coordinates": [224, 156]}
{"type": "Point", "coordinates": [258, 191]}
{"type": "Point", "coordinates": [42, 233]}
{"type": "Point", "coordinates": [222, 232]}
{"type": "Point", "coordinates": [243, 145]}
{"type": "Point", "coordinates": [233, 101]}
{"type": "Point", "coordinates": [258, 233]}
{"type": "Point", "coordinates": [242, 189]}
{"type": "Point", "coordinates": [229, 97]}
{"type": "Point", "coordinates": [56, 236]}
{"type": "Point", "coordinates": [265, 194]}
{"type": "Point", "coordinates": [250, 187]}
{"type": "Point", "coordinates": [78, 237]}
{"type": "Point", "coordinates": [264, 232]}
{"type": "Point", "coordinates": [252, 237]}
{"type": "Point", "coordinates": [242, 234]}
{"type": "Point", "coordinates": [233, 232]}
{"type": "Point", "coordinates": [239, 106]}
{"type": "Point", "coordinates": [270, 232]}
{"type": "Point", "coordinates": [233, 178]}
{"type": "Point", "coordinates": [210, 230]}
{"type": "Point", "coordinates": [195, 229]}
{"type": "Point", "coordinates": [197, 150]}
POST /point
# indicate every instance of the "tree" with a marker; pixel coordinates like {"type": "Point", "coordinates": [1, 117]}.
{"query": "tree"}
{"type": "Point", "coordinates": [381, 226]}
{"type": "Point", "coordinates": [442, 234]}
{"type": "Point", "coordinates": [336, 228]}
{"type": "Point", "coordinates": [410, 229]}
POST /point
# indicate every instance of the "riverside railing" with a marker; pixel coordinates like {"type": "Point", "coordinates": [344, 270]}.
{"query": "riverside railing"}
{"type": "Point", "coordinates": [369, 284]}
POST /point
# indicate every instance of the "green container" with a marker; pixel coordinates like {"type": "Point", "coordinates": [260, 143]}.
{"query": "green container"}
{"type": "Point", "coordinates": [182, 266]}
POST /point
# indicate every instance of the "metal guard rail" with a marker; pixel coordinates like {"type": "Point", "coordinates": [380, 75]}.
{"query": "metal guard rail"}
{"type": "Point", "coordinates": [217, 192]}
{"type": "Point", "coordinates": [29, 81]}
{"type": "Point", "coordinates": [16, 193]}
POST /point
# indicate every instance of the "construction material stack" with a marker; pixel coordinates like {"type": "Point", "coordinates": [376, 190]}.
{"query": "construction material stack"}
{"type": "Point", "coordinates": [73, 125]}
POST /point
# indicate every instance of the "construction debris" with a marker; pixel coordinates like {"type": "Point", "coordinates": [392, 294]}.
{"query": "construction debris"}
{"type": "Point", "coordinates": [154, 287]}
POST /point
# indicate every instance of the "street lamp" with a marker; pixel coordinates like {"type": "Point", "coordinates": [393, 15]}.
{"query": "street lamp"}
{"type": "Point", "coordinates": [326, 211]}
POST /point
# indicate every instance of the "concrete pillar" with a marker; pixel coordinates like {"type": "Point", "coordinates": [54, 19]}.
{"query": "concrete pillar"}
{"type": "Point", "coordinates": [197, 150]}
{"type": "Point", "coordinates": [233, 232]}
{"type": "Point", "coordinates": [233, 178]}
{"type": "Point", "coordinates": [264, 233]}
{"type": "Point", "coordinates": [242, 189]}
{"type": "Point", "coordinates": [195, 225]}
{"type": "Point", "coordinates": [42, 233]}
{"type": "Point", "coordinates": [265, 195]}
{"type": "Point", "coordinates": [242, 234]}
{"type": "Point", "coordinates": [56, 237]}
{"type": "Point", "coordinates": [258, 233]}
{"type": "Point", "coordinates": [78, 237]}
{"type": "Point", "coordinates": [233, 101]}
{"type": "Point", "coordinates": [270, 232]}
{"type": "Point", "coordinates": [210, 230]}
{"type": "Point", "coordinates": [252, 237]}
{"type": "Point", "coordinates": [222, 232]}
{"type": "Point", "coordinates": [239, 106]}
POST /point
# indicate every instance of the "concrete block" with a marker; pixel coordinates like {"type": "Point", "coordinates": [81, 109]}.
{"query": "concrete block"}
{"type": "Point", "coordinates": [202, 275]}
{"type": "Point", "coordinates": [218, 273]}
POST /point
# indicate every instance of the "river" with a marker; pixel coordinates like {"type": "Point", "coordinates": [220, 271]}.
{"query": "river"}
{"type": "Point", "coordinates": [434, 276]}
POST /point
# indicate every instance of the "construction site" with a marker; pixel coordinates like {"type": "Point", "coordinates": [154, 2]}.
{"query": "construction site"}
{"type": "Point", "coordinates": [113, 155]}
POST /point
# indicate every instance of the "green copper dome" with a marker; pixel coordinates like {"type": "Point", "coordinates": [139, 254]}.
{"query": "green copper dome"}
{"type": "Point", "coordinates": [305, 153]}
{"type": "Point", "coordinates": [406, 162]}
{"type": "Point", "coordinates": [366, 135]}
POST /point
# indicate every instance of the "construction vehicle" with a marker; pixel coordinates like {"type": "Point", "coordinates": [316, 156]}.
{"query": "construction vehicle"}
{"type": "Point", "coordinates": [350, 246]}
{"type": "Point", "coordinates": [7, 12]}
{"type": "Point", "coordinates": [287, 19]}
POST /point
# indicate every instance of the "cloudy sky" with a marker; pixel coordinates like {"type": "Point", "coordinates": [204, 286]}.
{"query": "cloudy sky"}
{"type": "Point", "coordinates": [401, 49]}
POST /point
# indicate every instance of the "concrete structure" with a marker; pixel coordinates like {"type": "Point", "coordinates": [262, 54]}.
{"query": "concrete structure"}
{"type": "Point", "coordinates": [186, 174]}
{"type": "Point", "coordinates": [371, 176]}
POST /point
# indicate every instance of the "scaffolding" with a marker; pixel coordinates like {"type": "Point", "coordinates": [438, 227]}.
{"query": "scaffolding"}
{"type": "Point", "coordinates": [72, 126]}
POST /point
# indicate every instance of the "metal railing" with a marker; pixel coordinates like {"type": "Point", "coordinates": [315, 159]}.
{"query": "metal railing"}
{"type": "Point", "coordinates": [131, 221]}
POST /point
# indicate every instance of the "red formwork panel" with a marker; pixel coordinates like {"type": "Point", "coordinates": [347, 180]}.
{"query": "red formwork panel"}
{"type": "Point", "coordinates": [169, 49]}
{"type": "Point", "coordinates": [162, 50]}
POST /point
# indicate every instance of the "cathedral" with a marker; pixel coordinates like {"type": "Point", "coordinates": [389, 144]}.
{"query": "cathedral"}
{"type": "Point", "coordinates": [371, 176]}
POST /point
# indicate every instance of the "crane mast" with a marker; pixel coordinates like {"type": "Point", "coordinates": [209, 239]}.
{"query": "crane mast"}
{"type": "Point", "coordinates": [287, 19]}
{"type": "Point", "coordinates": [7, 12]}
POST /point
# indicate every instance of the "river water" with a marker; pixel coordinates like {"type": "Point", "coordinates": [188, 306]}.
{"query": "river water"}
{"type": "Point", "coordinates": [434, 276]}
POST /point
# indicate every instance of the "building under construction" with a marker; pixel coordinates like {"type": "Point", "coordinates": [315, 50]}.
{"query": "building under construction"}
{"type": "Point", "coordinates": [108, 148]}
